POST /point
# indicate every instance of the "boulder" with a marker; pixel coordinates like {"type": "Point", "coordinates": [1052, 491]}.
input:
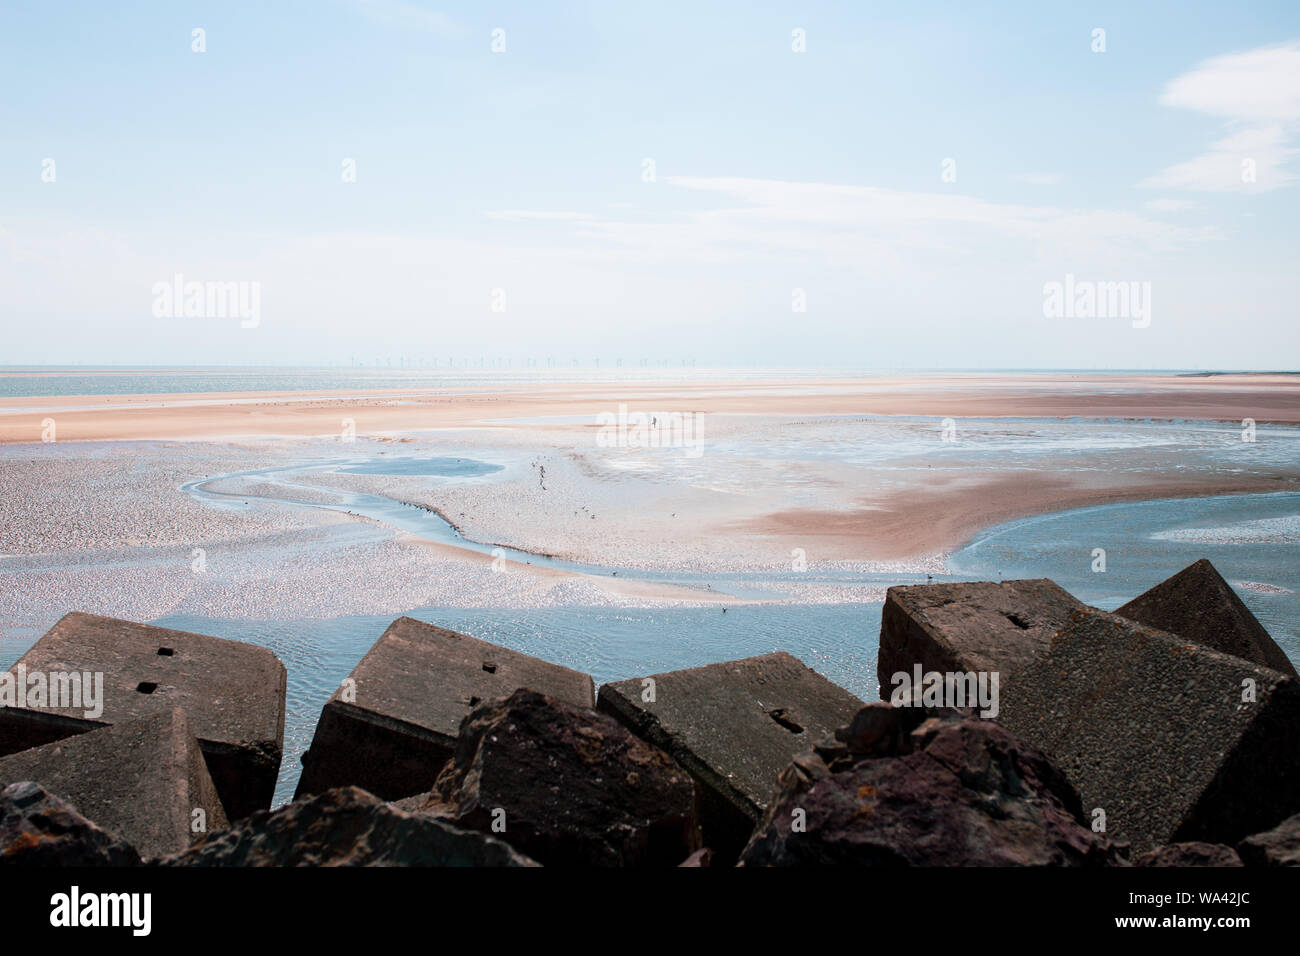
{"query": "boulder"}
{"type": "Point", "coordinates": [1199, 606]}
{"type": "Point", "coordinates": [346, 827]}
{"type": "Point", "coordinates": [972, 626]}
{"type": "Point", "coordinates": [700, 858]}
{"type": "Point", "coordinates": [144, 779]}
{"type": "Point", "coordinates": [393, 724]}
{"type": "Point", "coordinates": [231, 692]}
{"type": "Point", "coordinates": [733, 727]}
{"type": "Point", "coordinates": [1172, 741]}
{"type": "Point", "coordinates": [1190, 854]}
{"type": "Point", "coordinates": [1279, 846]}
{"type": "Point", "coordinates": [925, 787]}
{"type": "Point", "coordinates": [39, 829]}
{"type": "Point", "coordinates": [567, 786]}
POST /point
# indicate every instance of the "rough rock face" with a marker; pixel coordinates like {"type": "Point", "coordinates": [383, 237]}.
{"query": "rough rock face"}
{"type": "Point", "coordinates": [346, 827]}
{"type": "Point", "coordinates": [1173, 741]}
{"type": "Point", "coordinates": [1190, 854]}
{"type": "Point", "coordinates": [1279, 846]}
{"type": "Point", "coordinates": [1198, 605]}
{"type": "Point", "coordinates": [734, 727]}
{"type": "Point", "coordinates": [567, 786]}
{"type": "Point", "coordinates": [925, 787]}
{"type": "Point", "coordinates": [969, 626]}
{"type": "Point", "coordinates": [39, 829]}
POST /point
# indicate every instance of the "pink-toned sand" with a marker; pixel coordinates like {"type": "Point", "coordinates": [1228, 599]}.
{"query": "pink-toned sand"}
{"type": "Point", "coordinates": [921, 517]}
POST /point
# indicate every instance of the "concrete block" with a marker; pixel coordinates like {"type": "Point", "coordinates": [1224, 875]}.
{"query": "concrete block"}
{"type": "Point", "coordinates": [973, 626]}
{"type": "Point", "coordinates": [1174, 742]}
{"type": "Point", "coordinates": [393, 724]}
{"type": "Point", "coordinates": [232, 694]}
{"type": "Point", "coordinates": [1198, 605]}
{"type": "Point", "coordinates": [734, 727]}
{"type": "Point", "coordinates": [142, 779]}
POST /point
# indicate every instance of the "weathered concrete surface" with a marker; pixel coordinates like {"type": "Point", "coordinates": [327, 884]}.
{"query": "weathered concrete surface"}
{"type": "Point", "coordinates": [1153, 730]}
{"type": "Point", "coordinates": [733, 727]}
{"type": "Point", "coordinates": [925, 787]}
{"type": "Point", "coordinates": [232, 694]}
{"type": "Point", "coordinates": [39, 829]}
{"type": "Point", "coordinates": [969, 626]}
{"type": "Point", "coordinates": [142, 779]}
{"type": "Point", "coordinates": [1190, 854]}
{"type": "Point", "coordinates": [1279, 846]}
{"type": "Point", "coordinates": [393, 724]}
{"type": "Point", "coordinates": [567, 785]}
{"type": "Point", "coordinates": [1197, 605]}
{"type": "Point", "coordinates": [346, 827]}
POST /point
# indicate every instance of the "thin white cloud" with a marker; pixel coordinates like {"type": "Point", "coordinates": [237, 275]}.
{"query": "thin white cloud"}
{"type": "Point", "coordinates": [841, 222]}
{"type": "Point", "coordinates": [1257, 95]}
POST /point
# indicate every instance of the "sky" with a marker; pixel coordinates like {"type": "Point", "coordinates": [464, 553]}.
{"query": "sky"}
{"type": "Point", "coordinates": [871, 185]}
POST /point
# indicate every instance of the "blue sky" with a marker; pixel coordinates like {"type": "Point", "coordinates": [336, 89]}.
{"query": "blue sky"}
{"type": "Point", "coordinates": [775, 171]}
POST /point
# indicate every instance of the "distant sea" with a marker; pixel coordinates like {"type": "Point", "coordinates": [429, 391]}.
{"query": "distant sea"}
{"type": "Point", "coordinates": [48, 381]}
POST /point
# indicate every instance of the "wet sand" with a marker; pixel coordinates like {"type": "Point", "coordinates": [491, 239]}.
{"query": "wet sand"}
{"type": "Point", "coordinates": [937, 518]}
{"type": "Point", "coordinates": [241, 415]}
{"type": "Point", "coordinates": [737, 505]}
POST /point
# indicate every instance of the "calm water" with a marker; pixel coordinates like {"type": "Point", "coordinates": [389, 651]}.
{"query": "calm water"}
{"type": "Point", "coordinates": [446, 373]}
{"type": "Point", "coordinates": [437, 467]}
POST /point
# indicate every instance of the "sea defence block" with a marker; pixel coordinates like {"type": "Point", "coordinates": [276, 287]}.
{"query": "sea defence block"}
{"type": "Point", "coordinates": [1172, 741]}
{"type": "Point", "coordinates": [1198, 605]}
{"type": "Point", "coordinates": [232, 694]}
{"type": "Point", "coordinates": [141, 779]}
{"type": "Point", "coordinates": [393, 724]}
{"type": "Point", "coordinates": [975, 626]}
{"type": "Point", "coordinates": [733, 727]}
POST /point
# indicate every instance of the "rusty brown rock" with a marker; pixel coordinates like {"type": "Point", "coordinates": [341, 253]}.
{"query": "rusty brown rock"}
{"type": "Point", "coordinates": [942, 788]}
{"type": "Point", "coordinates": [567, 786]}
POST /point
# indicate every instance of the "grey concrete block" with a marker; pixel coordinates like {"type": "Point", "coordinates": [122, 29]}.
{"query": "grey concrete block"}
{"type": "Point", "coordinates": [232, 694]}
{"type": "Point", "coordinates": [973, 626]}
{"type": "Point", "coordinates": [1198, 605]}
{"type": "Point", "coordinates": [393, 724]}
{"type": "Point", "coordinates": [142, 779]}
{"type": "Point", "coordinates": [734, 727]}
{"type": "Point", "coordinates": [1161, 733]}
